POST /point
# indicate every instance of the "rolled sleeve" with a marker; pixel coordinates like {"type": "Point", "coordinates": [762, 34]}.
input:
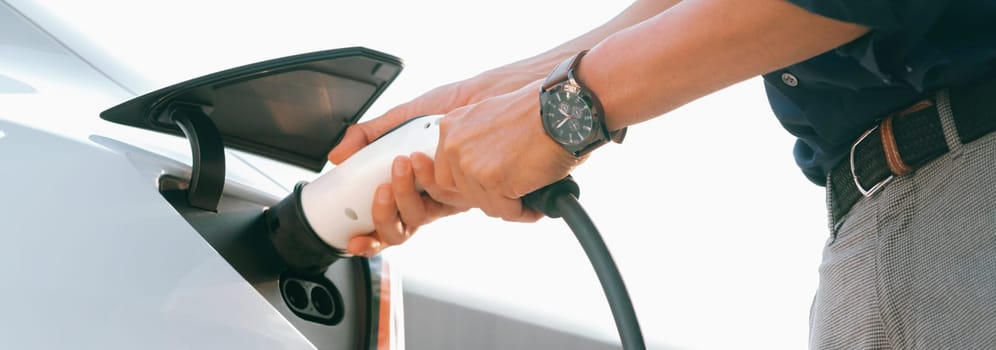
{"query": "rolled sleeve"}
{"type": "Point", "coordinates": [881, 15]}
{"type": "Point", "coordinates": [869, 13]}
{"type": "Point", "coordinates": [897, 27]}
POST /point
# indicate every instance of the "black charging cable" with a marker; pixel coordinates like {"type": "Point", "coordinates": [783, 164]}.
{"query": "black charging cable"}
{"type": "Point", "coordinates": [560, 199]}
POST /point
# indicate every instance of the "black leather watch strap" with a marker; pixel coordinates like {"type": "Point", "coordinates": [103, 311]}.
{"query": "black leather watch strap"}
{"type": "Point", "coordinates": [568, 70]}
{"type": "Point", "coordinates": [560, 73]}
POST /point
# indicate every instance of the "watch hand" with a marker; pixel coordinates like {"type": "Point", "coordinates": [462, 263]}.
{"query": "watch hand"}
{"type": "Point", "coordinates": [562, 122]}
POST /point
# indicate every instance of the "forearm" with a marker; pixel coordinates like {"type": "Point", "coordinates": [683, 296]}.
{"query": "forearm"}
{"type": "Point", "coordinates": [698, 47]}
{"type": "Point", "coordinates": [543, 63]}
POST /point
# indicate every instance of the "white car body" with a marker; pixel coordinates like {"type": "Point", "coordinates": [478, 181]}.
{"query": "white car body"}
{"type": "Point", "coordinates": [96, 255]}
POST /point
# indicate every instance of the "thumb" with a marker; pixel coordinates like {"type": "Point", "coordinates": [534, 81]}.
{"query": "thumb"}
{"type": "Point", "coordinates": [354, 139]}
{"type": "Point", "coordinates": [364, 245]}
{"type": "Point", "coordinates": [360, 135]}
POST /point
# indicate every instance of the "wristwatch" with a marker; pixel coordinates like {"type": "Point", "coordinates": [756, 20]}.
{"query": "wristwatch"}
{"type": "Point", "coordinates": [570, 112]}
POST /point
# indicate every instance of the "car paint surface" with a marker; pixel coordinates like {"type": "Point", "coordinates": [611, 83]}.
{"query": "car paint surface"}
{"type": "Point", "coordinates": [101, 261]}
{"type": "Point", "coordinates": [95, 257]}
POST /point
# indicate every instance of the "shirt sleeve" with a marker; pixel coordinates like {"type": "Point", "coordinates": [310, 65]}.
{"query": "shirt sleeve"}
{"type": "Point", "coordinates": [897, 30]}
{"type": "Point", "coordinates": [880, 15]}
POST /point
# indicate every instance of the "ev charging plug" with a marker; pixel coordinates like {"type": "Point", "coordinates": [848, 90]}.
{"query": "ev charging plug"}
{"type": "Point", "coordinates": [312, 226]}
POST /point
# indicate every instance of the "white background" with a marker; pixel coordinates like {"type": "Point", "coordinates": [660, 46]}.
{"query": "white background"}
{"type": "Point", "coordinates": [717, 233]}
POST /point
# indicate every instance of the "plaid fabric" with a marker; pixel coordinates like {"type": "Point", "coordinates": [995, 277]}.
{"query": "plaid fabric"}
{"type": "Point", "coordinates": [914, 266]}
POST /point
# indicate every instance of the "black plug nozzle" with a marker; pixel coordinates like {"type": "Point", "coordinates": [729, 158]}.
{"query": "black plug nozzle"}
{"type": "Point", "coordinates": [294, 239]}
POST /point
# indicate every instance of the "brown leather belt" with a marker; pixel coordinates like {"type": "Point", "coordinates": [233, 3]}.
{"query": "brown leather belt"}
{"type": "Point", "coordinates": [908, 139]}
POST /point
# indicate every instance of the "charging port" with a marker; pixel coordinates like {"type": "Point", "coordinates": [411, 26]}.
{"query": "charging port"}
{"type": "Point", "coordinates": [312, 297]}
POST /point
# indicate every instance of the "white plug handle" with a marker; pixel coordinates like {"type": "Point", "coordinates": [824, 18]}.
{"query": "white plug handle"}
{"type": "Point", "coordinates": [337, 204]}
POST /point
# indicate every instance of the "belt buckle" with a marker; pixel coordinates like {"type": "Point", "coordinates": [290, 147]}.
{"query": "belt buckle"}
{"type": "Point", "coordinates": [854, 175]}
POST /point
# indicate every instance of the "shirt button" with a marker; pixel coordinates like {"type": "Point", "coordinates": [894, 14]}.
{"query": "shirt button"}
{"type": "Point", "coordinates": [790, 79]}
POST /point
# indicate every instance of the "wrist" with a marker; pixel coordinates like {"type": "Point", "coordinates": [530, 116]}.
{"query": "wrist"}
{"type": "Point", "coordinates": [571, 113]}
{"type": "Point", "coordinates": [560, 157]}
{"type": "Point", "coordinates": [592, 73]}
{"type": "Point", "coordinates": [538, 66]}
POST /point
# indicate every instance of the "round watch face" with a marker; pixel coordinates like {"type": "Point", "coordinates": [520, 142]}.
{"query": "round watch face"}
{"type": "Point", "coordinates": [568, 116]}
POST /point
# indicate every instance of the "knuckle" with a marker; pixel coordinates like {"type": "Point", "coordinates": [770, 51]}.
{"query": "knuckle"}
{"type": "Point", "coordinates": [446, 197]}
{"type": "Point", "coordinates": [490, 179]}
{"type": "Point", "coordinates": [490, 212]}
{"type": "Point", "coordinates": [391, 235]}
{"type": "Point", "coordinates": [445, 124]}
{"type": "Point", "coordinates": [403, 190]}
{"type": "Point", "coordinates": [451, 147]}
{"type": "Point", "coordinates": [443, 178]}
{"type": "Point", "coordinates": [512, 211]}
{"type": "Point", "coordinates": [432, 191]}
{"type": "Point", "coordinates": [412, 216]}
{"type": "Point", "coordinates": [394, 238]}
{"type": "Point", "coordinates": [380, 216]}
{"type": "Point", "coordinates": [514, 192]}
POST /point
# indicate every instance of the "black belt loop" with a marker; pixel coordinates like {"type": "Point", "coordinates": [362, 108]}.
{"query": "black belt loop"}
{"type": "Point", "coordinates": [917, 137]}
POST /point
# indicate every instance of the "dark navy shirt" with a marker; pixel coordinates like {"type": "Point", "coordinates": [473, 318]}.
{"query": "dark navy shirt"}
{"type": "Point", "coordinates": [914, 48]}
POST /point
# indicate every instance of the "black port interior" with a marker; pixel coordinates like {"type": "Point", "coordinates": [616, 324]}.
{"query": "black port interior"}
{"type": "Point", "coordinates": [322, 301]}
{"type": "Point", "coordinates": [312, 297]}
{"type": "Point", "coordinates": [295, 294]}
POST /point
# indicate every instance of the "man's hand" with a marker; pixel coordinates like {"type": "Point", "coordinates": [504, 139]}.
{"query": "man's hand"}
{"type": "Point", "coordinates": [440, 100]}
{"type": "Point", "coordinates": [495, 152]}
{"type": "Point", "coordinates": [437, 101]}
{"type": "Point", "coordinates": [399, 210]}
